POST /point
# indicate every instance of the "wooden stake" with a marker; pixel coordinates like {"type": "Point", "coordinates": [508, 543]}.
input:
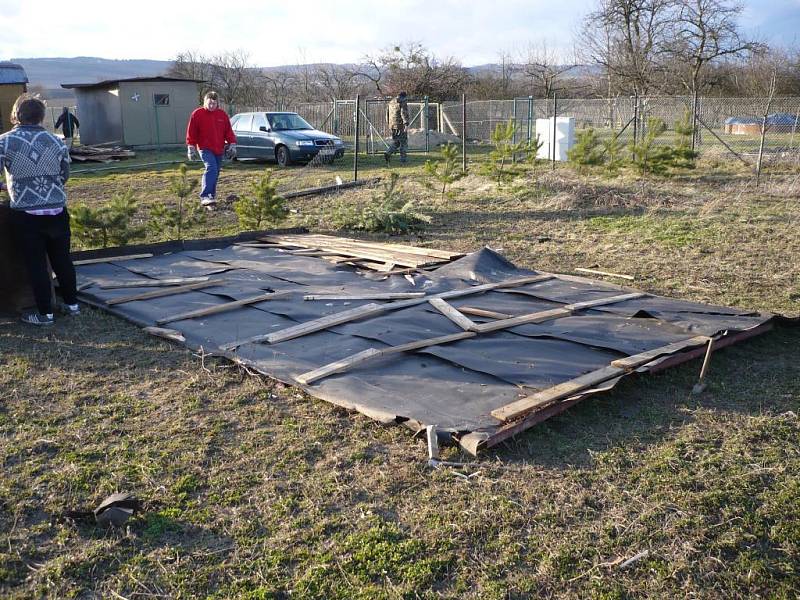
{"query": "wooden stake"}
{"type": "Point", "coordinates": [94, 261]}
{"type": "Point", "coordinates": [220, 308]}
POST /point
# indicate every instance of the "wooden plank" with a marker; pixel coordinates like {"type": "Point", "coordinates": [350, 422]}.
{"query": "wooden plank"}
{"type": "Point", "coordinates": [373, 309]}
{"type": "Point", "coordinates": [555, 393]}
{"type": "Point", "coordinates": [603, 301]}
{"type": "Point", "coordinates": [604, 273]}
{"type": "Point", "coordinates": [529, 319]}
{"type": "Point", "coordinates": [573, 386]}
{"type": "Point", "coordinates": [220, 308]}
{"type": "Point", "coordinates": [360, 312]}
{"type": "Point", "coordinates": [152, 282]}
{"type": "Point", "coordinates": [451, 313]}
{"type": "Point", "coordinates": [317, 239]}
{"type": "Point", "coordinates": [168, 334]}
{"type": "Point", "coordinates": [360, 358]}
{"type": "Point", "coordinates": [165, 292]}
{"type": "Point", "coordinates": [637, 360]}
{"type": "Point", "coordinates": [338, 366]}
{"type": "Point", "coordinates": [375, 296]}
{"type": "Point", "coordinates": [94, 261]}
{"type": "Point", "coordinates": [479, 312]}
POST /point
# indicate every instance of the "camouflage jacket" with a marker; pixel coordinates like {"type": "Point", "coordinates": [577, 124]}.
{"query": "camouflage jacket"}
{"type": "Point", "coordinates": [398, 114]}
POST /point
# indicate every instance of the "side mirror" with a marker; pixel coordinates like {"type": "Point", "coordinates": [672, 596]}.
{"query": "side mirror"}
{"type": "Point", "coordinates": [263, 128]}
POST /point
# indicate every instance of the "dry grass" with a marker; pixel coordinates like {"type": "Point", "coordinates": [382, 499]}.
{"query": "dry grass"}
{"type": "Point", "coordinates": [254, 490]}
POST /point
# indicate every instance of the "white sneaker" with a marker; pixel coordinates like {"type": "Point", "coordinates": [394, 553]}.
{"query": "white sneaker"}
{"type": "Point", "coordinates": [207, 201]}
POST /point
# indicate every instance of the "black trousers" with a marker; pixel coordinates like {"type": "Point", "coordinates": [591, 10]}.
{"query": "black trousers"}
{"type": "Point", "coordinates": [38, 238]}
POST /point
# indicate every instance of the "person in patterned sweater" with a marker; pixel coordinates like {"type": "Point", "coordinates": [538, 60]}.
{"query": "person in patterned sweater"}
{"type": "Point", "coordinates": [36, 166]}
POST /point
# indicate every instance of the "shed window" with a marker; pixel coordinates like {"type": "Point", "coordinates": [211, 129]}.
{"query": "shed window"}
{"type": "Point", "coordinates": [161, 99]}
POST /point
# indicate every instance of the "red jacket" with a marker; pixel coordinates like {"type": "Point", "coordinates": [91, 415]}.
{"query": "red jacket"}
{"type": "Point", "coordinates": [209, 129]}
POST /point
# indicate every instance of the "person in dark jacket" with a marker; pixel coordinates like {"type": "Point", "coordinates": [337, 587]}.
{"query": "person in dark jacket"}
{"type": "Point", "coordinates": [397, 119]}
{"type": "Point", "coordinates": [36, 166]}
{"type": "Point", "coordinates": [68, 123]}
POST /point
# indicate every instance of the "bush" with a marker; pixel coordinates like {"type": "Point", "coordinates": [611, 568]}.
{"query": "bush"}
{"type": "Point", "coordinates": [683, 156]}
{"type": "Point", "coordinates": [108, 225]}
{"type": "Point", "coordinates": [263, 207]}
{"type": "Point", "coordinates": [387, 212]}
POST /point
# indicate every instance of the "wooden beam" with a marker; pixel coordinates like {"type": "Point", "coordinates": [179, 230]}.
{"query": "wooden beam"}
{"type": "Point", "coordinates": [637, 360]}
{"type": "Point", "coordinates": [375, 296]}
{"type": "Point", "coordinates": [451, 313]}
{"type": "Point", "coordinates": [603, 301]}
{"type": "Point", "coordinates": [604, 273]}
{"type": "Point", "coordinates": [479, 312]}
{"type": "Point", "coordinates": [220, 308]}
{"type": "Point", "coordinates": [165, 292]}
{"type": "Point", "coordinates": [94, 261]}
{"type": "Point", "coordinates": [360, 312]}
{"type": "Point", "coordinates": [370, 354]}
{"type": "Point", "coordinates": [152, 283]}
{"type": "Point", "coordinates": [550, 395]}
{"type": "Point", "coordinates": [568, 388]}
{"type": "Point", "coordinates": [370, 310]}
{"type": "Point", "coordinates": [531, 318]}
{"type": "Point", "coordinates": [168, 334]}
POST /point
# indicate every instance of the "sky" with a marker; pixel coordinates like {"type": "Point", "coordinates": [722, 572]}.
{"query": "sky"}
{"type": "Point", "coordinates": [283, 32]}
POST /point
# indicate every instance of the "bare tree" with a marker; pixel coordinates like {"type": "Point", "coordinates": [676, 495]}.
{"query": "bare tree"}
{"type": "Point", "coordinates": [705, 31]}
{"type": "Point", "coordinates": [192, 65]}
{"type": "Point", "coordinates": [627, 39]}
{"type": "Point", "coordinates": [545, 68]}
{"type": "Point", "coordinates": [336, 81]}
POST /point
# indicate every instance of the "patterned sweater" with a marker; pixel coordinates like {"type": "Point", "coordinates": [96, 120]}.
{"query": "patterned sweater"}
{"type": "Point", "coordinates": [36, 164]}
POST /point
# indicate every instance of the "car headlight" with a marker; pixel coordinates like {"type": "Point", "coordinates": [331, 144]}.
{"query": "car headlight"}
{"type": "Point", "coordinates": [304, 143]}
{"type": "Point", "coordinates": [338, 142]}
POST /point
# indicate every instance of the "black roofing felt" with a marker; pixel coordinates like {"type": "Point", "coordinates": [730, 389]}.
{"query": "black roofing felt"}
{"type": "Point", "coordinates": [453, 386]}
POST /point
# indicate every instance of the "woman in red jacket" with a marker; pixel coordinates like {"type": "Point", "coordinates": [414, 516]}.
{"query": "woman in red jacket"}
{"type": "Point", "coordinates": [209, 131]}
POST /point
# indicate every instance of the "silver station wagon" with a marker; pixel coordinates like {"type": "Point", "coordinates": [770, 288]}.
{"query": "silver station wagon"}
{"type": "Point", "coordinates": [282, 136]}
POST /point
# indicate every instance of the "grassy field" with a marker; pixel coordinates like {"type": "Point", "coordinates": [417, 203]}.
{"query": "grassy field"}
{"type": "Point", "coordinates": [254, 490]}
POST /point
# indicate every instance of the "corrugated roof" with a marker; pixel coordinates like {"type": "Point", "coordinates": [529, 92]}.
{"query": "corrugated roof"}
{"type": "Point", "coordinates": [113, 82]}
{"type": "Point", "coordinates": [12, 73]}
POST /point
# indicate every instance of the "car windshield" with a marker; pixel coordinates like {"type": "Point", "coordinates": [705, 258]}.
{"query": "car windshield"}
{"type": "Point", "coordinates": [287, 121]}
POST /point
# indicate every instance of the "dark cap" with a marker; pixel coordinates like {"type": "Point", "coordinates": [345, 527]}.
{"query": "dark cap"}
{"type": "Point", "coordinates": [402, 95]}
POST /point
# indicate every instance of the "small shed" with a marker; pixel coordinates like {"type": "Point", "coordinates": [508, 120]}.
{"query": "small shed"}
{"type": "Point", "coordinates": [776, 123]}
{"type": "Point", "coordinates": [140, 111]}
{"type": "Point", "coordinates": [13, 82]}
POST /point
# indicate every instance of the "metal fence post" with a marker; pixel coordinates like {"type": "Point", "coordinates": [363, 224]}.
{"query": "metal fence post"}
{"type": "Point", "coordinates": [464, 133]}
{"type": "Point", "coordinates": [425, 125]}
{"type": "Point", "coordinates": [530, 118]}
{"type": "Point", "coordinates": [355, 146]}
{"type": "Point", "coordinates": [553, 133]}
{"type": "Point", "coordinates": [635, 118]}
{"type": "Point", "coordinates": [335, 117]}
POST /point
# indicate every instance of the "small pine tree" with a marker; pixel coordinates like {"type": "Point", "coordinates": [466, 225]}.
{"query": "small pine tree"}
{"type": "Point", "coordinates": [263, 207]}
{"type": "Point", "coordinates": [504, 151]}
{"type": "Point", "coordinates": [446, 170]}
{"type": "Point", "coordinates": [173, 221]}
{"type": "Point", "coordinates": [683, 154]}
{"type": "Point", "coordinates": [531, 150]}
{"type": "Point", "coordinates": [108, 225]}
{"type": "Point", "coordinates": [648, 157]}
{"type": "Point", "coordinates": [613, 156]}
{"type": "Point", "coordinates": [587, 151]}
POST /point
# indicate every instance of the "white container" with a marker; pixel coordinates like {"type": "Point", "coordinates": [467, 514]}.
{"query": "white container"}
{"type": "Point", "coordinates": [565, 137]}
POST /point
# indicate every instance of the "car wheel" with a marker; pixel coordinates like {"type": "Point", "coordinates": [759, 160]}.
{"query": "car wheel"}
{"type": "Point", "coordinates": [282, 156]}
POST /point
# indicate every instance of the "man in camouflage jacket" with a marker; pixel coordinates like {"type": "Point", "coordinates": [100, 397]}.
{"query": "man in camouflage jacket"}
{"type": "Point", "coordinates": [398, 122]}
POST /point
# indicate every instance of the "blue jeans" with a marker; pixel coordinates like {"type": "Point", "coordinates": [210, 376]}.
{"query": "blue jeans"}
{"type": "Point", "coordinates": [213, 164]}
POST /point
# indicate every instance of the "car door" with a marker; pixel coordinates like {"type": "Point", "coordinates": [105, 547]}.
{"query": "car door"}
{"type": "Point", "coordinates": [244, 141]}
{"type": "Point", "coordinates": [263, 145]}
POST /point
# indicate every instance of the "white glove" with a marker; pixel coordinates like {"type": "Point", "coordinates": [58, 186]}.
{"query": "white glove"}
{"type": "Point", "coordinates": [190, 151]}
